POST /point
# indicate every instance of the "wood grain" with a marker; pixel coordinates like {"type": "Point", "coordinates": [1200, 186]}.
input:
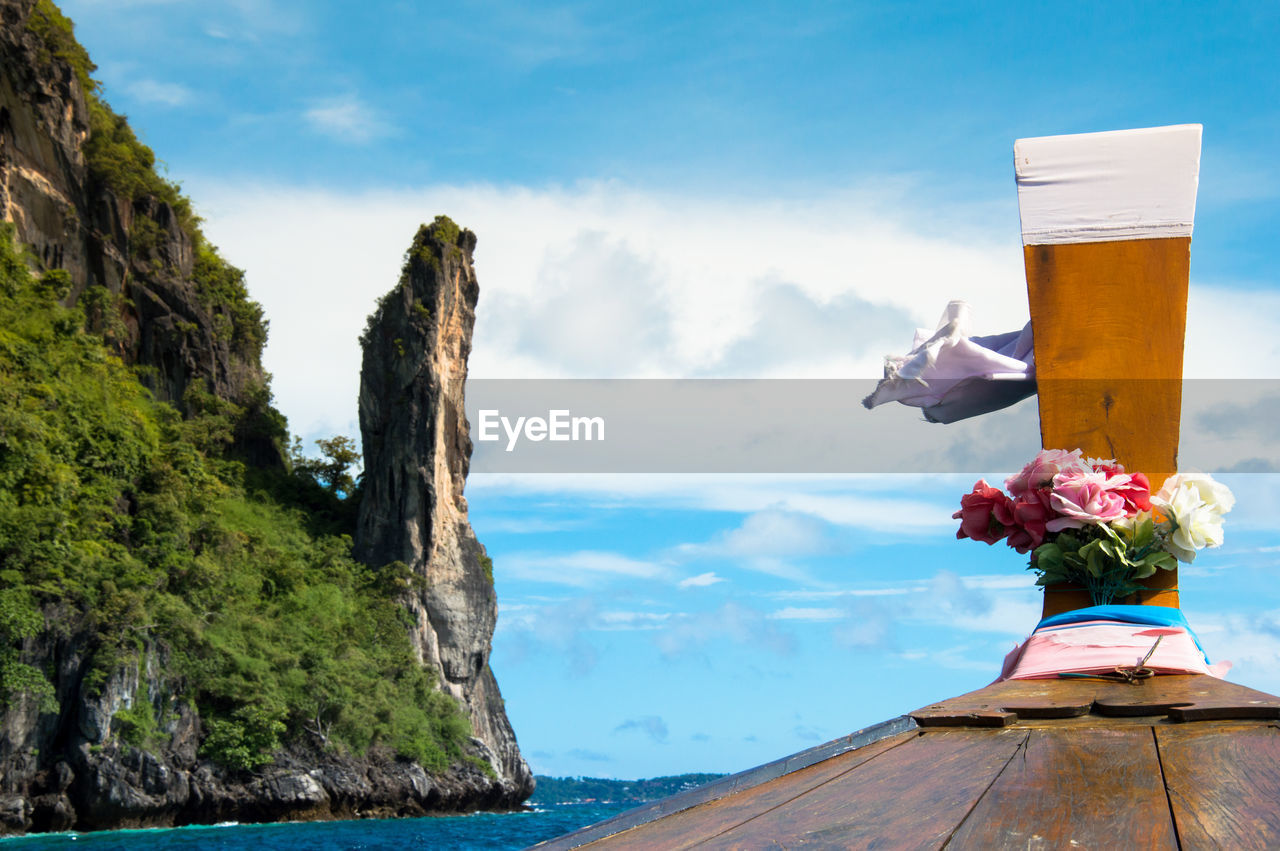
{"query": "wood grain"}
{"type": "Point", "coordinates": [1099, 788]}
{"type": "Point", "coordinates": [685, 829]}
{"type": "Point", "coordinates": [1049, 698]}
{"type": "Point", "coordinates": [1109, 320]}
{"type": "Point", "coordinates": [1182, 697]}
{"type": "Point", "coordinates": [912, 797]}
{"type": "Point", "coordinates": [1224, 784]}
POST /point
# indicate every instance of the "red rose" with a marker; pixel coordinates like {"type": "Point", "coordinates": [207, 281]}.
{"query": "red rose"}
{"type": "Point", "coordinates": [1133, 488]}
{"type": "Point", "coordinates": [985, 515]}
{"type": "Point", "coordinates": [1136, 494]}
{"type": "Point", "coordinates": [1031, 512]}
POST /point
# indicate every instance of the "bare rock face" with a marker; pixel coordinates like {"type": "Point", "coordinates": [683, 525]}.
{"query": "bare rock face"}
{"type": "Point", "coordinates": [130, 261]}
{"type": "Point", "coordinates": [416, 453]}
{"type": "Point", "coordinates": [96, 781]}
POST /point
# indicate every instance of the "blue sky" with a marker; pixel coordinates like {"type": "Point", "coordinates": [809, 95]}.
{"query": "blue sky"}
{"type": "Point", "coordinates": [717, 189]}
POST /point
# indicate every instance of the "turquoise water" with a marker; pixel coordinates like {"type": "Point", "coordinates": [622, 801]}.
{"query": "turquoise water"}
{"type": "Point", "coordinates": [481, 830]}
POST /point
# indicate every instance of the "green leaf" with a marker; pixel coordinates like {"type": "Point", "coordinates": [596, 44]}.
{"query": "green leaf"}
{"type": "Point", "coordinates": [1094, 558]}
{"type": "Point", "coordinates": [1048, 557]}
{"type": "Point", "coordinates": [1144, 534]}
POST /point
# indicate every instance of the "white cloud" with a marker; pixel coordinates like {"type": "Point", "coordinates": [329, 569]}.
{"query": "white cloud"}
{"type": "Point", "coordinates": [1248, 318]}
{"type": "Point", "coordinates": [794, 330]}
{"type": "Point", "coordinates": [347, 119]}
{"type": "Point", "coordinates": [870, 628]}
{"type": "Point", "coordinates": [582, 568]}
{"type": "Point", "coordinates": [688, 633]}
{"type": "Point", "coordinates": [154, 91]}
{"type": "Point", "coordinates": [597, 303]}
{"type": "Point", "coordinates": [1249, 640]}
{"type": "Point", "coordinates": [766, 541]}
{"type": "Point", "coordinates": [965, 657]}
{"type": "Point", "coordinates": [801, 613]}
{"type": "Point", "coordinates": [608, 280]}
{"type": "Point", "coordinates": [559, 624]}
{"type": "Point", "coordinates": [871, 617]}
{"type": "Point", "coordinates": [1013, 614]}
{"type": "Point", "coordinates": [615, 621]}
{"type": "Point", "coordinates": [775, 533]}
{"type": "Point", "coordinates": [664, 285]}
{"type": "Point", "coordinates": [702, 580]}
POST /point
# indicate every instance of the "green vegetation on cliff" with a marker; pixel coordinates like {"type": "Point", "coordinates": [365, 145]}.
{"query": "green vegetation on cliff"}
{"type": "Point", "coordinates": [136, 532]}
{"type": "Point", "coordinates": [123, 519]}
{"type": "Point", "coordinates": [118, 161]}
{"type": "Point", "coordinates": [57, 32]}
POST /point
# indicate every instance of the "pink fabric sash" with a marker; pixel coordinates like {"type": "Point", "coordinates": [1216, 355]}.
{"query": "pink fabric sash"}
{"type": "Point", "coordinates": [1102, 645]}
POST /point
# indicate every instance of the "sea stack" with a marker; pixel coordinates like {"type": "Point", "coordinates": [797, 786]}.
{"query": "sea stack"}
{"type": "Point", "coordinates": [416, 453]}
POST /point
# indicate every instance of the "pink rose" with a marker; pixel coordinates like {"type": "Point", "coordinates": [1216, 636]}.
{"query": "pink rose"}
{"type": "Point", "coordinates": [1082, 498]}
{"type": "Point", "coordinates": [1040, 472]}
{"type": "Point", "coordinates": [1031, 515]}
{"type": "Point", "coordinates": [985, 514]}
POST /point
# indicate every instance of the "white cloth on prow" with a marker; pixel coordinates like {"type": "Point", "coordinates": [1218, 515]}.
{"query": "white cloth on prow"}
{"type": "Point", "coordinates": [1102, 187]}
{"type": "Point", "coordinates": [953, 376]}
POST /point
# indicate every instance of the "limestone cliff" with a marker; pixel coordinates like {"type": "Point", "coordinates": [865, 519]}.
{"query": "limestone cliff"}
{"type": "Point", "coordinates": [417, 450]}
{"type": "Point", "coordinates": [107, 234]}
{"type": "Point", "coordinates": [82, 193]}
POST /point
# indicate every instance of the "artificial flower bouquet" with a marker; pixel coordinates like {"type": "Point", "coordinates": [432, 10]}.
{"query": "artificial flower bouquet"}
{"type": "Point", "coordinates": [1087, 521]}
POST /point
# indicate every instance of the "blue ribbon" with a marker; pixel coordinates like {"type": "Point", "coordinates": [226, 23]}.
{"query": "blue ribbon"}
{"type": "Point", "coordinates": [1143, 615]}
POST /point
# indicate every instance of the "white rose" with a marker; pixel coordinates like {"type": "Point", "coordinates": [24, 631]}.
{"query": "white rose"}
{"type": "Point", "coordinates": [1199, 522]}
{"type": "Point", "coordinates": [1215, 495]}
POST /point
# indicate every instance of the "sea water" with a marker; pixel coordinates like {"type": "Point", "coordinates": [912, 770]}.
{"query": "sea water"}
{"type": "Point", "coordinates": [479, 830]}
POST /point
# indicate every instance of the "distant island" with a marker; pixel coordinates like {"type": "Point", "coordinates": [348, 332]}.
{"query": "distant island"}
{"type": "Point", "coordinates": [552, 791]}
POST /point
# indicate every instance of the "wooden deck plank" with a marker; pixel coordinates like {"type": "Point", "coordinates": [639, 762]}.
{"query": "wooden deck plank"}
{"type": "Point", "coordinates": [1224, 783]}
{"type": "Point", "coordinates": [1195, 697]}
{"type": "Point", "coordinates": [1099, 788]}
{"type": "Point", "coordinates": [1049, 698]}
{"type": "Point", "coordinates": [1182, 697]}
{"type": "Point", "coordinates": [912, 797]}
{"type": "Point", "coordinates": [686, 829]}
{"type": "Point", "coordinates": [734, 784]}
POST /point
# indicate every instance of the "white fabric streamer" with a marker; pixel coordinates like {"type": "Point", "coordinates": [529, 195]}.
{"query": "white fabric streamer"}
{"type": "Point", "coordinates": [953, 376]}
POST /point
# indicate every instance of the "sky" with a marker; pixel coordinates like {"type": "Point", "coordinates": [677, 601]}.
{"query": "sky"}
{"type": "Point", "coordinates": [674, 190]}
